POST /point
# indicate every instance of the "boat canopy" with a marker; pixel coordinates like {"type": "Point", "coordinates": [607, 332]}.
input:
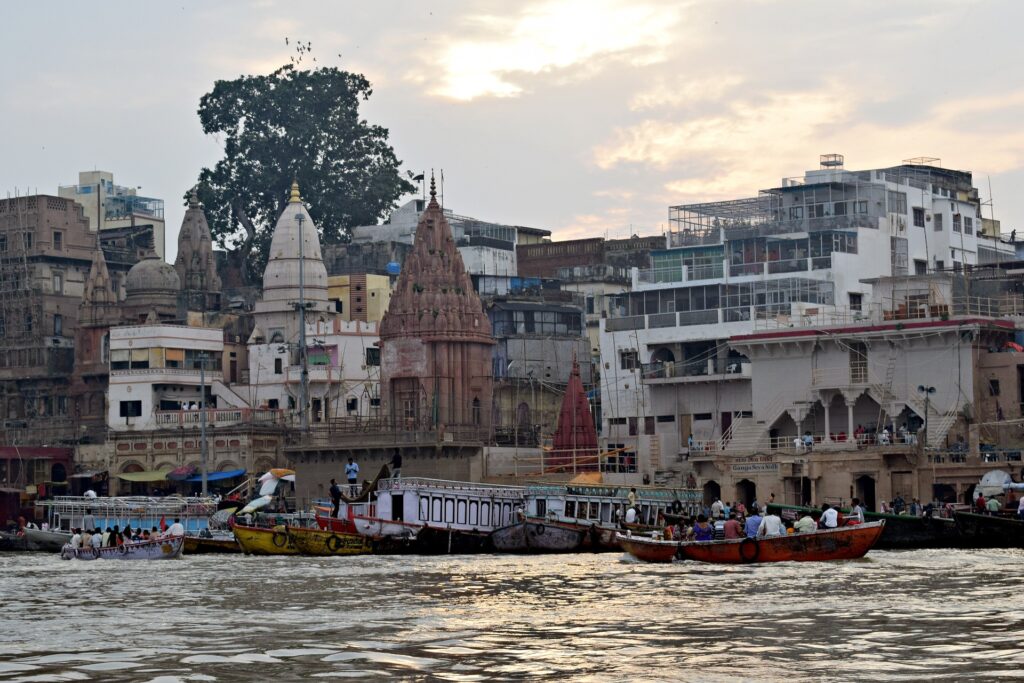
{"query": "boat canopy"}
{"type": "Point", "coordinates": [216, 476]}
{"type": "Point", "coordinates": [146, 475]}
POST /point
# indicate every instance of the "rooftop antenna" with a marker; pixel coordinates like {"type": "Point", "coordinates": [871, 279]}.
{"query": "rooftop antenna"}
{"type": "Point", "coordinates": [442, 188]}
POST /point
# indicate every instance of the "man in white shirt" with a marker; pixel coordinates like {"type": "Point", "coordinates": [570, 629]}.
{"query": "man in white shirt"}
{"type": "Point", "coordinates": [630, 515]}
{"type": "Point", "coordinates": [829, 516]}
{"type": "Point", "coordinates": [805, 524]}
{"type": "Point", "coordinates": [76, 540]}
{"type": "Point", "coordinates": [97, 540]}
{"type": "Point", "coordinates": [771, 525]}
{"type": "Point", "coordinates": [352, 475]}
{"type": "Point", "coordinates": [176, 529]}
{"type": "Point", "coordinates": [717, 509]}
{"type": "Point", "coordinates": [857, 512]}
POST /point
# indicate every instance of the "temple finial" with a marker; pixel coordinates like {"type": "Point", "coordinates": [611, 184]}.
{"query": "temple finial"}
{"type": "Point", "coordinates": [193, 198]}
{"type": "Point", "coordinates": [433, 188]}
{"type": "Point", "coordinates": [295, 198]}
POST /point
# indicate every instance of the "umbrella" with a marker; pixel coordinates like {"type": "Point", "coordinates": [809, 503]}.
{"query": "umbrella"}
{"type": "Point", "coordinates": [221, 516]}
{"type": "Point", "coordinates": [255, 505]}
{"type": "Point", "coordinates": [277, 473]}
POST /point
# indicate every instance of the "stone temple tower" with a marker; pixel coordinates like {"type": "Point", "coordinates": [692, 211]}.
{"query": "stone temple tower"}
{"type": "Point", "coordinates": [435, 338]}
{"type": "Point", "coordinates": [197, 269]}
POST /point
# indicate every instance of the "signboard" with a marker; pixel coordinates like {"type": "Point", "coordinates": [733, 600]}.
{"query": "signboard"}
{"type": "Point", "coordinates": [754, 464]}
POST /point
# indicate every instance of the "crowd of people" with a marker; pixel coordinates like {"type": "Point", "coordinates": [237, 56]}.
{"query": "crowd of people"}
{"type": "Point", "coordinates": [91, 535]}
{"type": "Point", "coordinates": [730, 522]}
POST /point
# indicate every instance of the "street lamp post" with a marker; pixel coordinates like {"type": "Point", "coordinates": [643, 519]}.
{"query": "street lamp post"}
{"type": "Point", "coordinates": [927, 392]}
{"type": "Point", "coordinates": [202, 419]}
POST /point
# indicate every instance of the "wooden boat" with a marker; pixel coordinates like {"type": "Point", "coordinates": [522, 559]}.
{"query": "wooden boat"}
{"type": "Point", "coordinates": [990, 531]}
{"type": "Point", "coordinates": [12, 542]}
{"type": "Point", "coordinates": [45, 541]}
{"type": "Point", "coordinates": [218, 543]}
{"type": "Point", "coordinates": [339, 525]}
{"type": "Point", "coordinates": [902, 532]}
{"type": "Point", "coordinates": [536, 536]}
{"type": "Point", "coordinates": [264, 540]}
{"type": "Point", "coordinates": [160, 549]}
{"type": "Point", "coordinates": [648, 549]}
{"type": "Point", "coordinates": [841, 543]}
{"type": "Point", "coordinates": [321, 542]}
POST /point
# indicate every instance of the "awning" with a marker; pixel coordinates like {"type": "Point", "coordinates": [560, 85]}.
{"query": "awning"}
{"type": "Point", "coordinates": [217, 476]}
{"type": "Point", "coordinates": [88, 474]}
{"type": "Point", "coordinates": [148, 475]}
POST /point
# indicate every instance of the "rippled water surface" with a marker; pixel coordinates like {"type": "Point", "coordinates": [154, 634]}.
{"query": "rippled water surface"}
{"type": "Point", "coordinates": [924, 615]}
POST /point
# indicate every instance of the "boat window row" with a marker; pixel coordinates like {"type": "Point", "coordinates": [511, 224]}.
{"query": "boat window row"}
{"type": "Point", "coordinates": [606, 512]}
{"type": "Point", "coordinates": [449, 510]}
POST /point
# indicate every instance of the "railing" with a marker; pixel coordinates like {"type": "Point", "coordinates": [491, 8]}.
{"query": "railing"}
{"type": "Point", "coordinates": [383, 432]}
{"type": "Point", "coordinates": [190, 372]}
{"type": "Point", "coordinates": [684, 368]}
{"type": "Point", "coordinates": [559, 463]}
{"type": "Point", "coordinates": [218, 416]}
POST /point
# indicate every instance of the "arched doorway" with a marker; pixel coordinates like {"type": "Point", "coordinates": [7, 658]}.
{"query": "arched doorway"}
{"type": "Point", "coordinates": [663, 355]}
{"type": "Point", "coordinates": [944, 493]}
{"type": "Point", "coordinates": [865, 487]}
{"type": "Point", "coordinates": [746, 492]}
{"type": "Point", "coordinates": [58, 473]}
{"type": "Point", "coordinates": [712, 490]}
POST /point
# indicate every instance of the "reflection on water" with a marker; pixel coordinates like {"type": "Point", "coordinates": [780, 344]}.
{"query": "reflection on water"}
{"type": "Point", "coordinates": [892, 616]}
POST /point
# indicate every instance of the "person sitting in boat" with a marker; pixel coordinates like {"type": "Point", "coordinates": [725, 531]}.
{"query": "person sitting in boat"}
{"type": "Point", "coordinates": [76, 539]}
{"type": "Point", "coordinates": [806, 523]}
{"type": "Point", "coordinates": [113, 537]}
{"type": "Point", "coordinates": [856, 511]}
{"type": "Point", "coordinates": [86, 538]}
{"type": "Point", "coordinates": [97, 539]}
{"type": "Point", "coordinates": [145, 535]}
{"type": "Point", "coordinates": [771, 525]}
{"type": "Point", "coordinates": [753, 523]}
{"type": "Point", "coordinates": [732, 528]}
{"type": "Point", "coordinates": [703, 530]}
{"type": "Point", "coordinates": [176, 529]}
{"type": "Point", "coordinates": [829, 517]}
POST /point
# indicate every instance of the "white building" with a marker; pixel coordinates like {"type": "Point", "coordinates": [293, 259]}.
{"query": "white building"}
{"type": "Point", "coordinates": [109, 206]}
{"type": "Point", "coordinates": [806, 254]}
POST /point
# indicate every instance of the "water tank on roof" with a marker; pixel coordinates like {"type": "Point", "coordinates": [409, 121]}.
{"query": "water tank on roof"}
{"type": "Point", "coordinates": [394, 268]}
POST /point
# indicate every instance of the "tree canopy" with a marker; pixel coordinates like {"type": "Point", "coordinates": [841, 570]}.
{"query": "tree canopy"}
{"type": "Point", "coordinates": [294, 124]}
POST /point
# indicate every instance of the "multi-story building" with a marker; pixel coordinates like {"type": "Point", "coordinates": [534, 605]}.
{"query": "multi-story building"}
{"type": "Point", "coordinates": [362, 296]}
{"type": "Point", "coordinates": [811, 252]}
{"type": "Point", "coordinates": [109, 207]}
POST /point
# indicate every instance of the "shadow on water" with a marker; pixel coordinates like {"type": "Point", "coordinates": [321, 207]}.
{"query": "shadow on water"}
{"type": "Point", "coordinates": [893, 616]}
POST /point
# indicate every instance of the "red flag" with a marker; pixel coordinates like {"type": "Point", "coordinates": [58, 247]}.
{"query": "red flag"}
{"type": "Point", "coordinates": [163, 523]}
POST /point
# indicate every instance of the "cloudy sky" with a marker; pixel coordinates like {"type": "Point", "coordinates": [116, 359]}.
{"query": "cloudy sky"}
{"type": "Point", "coordinates": [587, 117]}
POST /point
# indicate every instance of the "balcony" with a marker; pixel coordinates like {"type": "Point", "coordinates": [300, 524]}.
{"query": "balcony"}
{"type": "Point", "coordinates": [169, 375]}
{"type": "Point", "coordinates": [169, 419]}
{"type": "Point", "coordinates": [709, 370]}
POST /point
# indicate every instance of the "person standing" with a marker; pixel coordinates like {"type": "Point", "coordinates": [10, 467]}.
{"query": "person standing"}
{"type": "Point", "coordinates": [857, 512]}
{"type": "Point", "coordinates": [992, 506]}
{"type": "Point", "coordinates": [1020, 509]}
{"type": "Point", "coordinates": [89, 521]}
{"type": "Point", "coordinates": [352, 474]}
{"type": "Point", "coordinates": [717, 509]}
{"type": "Point", "coordinates": [396, 464]}
{"type": "Point", "coordinates": [335, 498]}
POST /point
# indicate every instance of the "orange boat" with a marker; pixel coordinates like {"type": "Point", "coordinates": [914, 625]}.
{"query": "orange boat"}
{"type": "Point", "coordinates": [841, 543]}
{"type": "Point", "coordinates": [648, 549]}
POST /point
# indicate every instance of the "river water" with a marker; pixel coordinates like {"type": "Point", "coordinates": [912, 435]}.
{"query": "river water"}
{"type": "Point", "coordinates": [893, 616]}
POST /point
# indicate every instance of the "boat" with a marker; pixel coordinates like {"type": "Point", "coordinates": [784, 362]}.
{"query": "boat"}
{"type": "Point", "coordinates": [429, 516]}
{"type": "Point", "coordinates": [45, 540]}
{"type": "Point", "coordinates": [11, 541]}
{"type": "Point", "coordinates": [535, 536]}
{"type": "Point", "coordinates": [841, 543]}
{"type": "Point", "coordinates": [599, 510]}
{"type": "Point", "coordinates": [902, 532]}
{"type": "Point", "coordinates": [160, 549]}
{"type": "Point", "coordinates": [321, 542]}
{"type": "Point", "coordinates": [989, 531]}
{"type": "Point", "coordinates": [649, 549]}
{"type": "Point", "coordinates": [217, 542]}
{"type": "Point", "coordinates": [264, 540]}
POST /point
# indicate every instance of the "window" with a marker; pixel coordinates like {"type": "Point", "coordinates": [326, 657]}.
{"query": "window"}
{"type": "Point", "coordinates": [702, 416]}
{"type": "Point", "coordinates": [632, 426]}
{"type": "Point", "coordinates": [666, 418]}
{"type": "Point", "coordinates": [375, 403]}
{"type": "Point", "coordinates": [58, 283]}
{"type": "Point", "coordinates": [475, 408]}
{"type": "Point", "coordinates": [937, 222]}
{"type": "Point", "coordinates": [957, 225]}
{"type": "Point", "coordinates": [862, 206]}
{"type": "Point", "coordinates": [920, 267]}
{"type": "Point", "coordinates": [570, 508]}
{"type": "Point", "coordinates": [28, 322]}
{"type": "Point", "coordinates": [58, 240]}
{"type": "Point", "coordinates": [339, 306]}
{"type": "Point", "coordinates": [373, 356]}
{"type": "Point", "coordinates": [839, 209]}
{"type": "Point", "coordinates": [629, 359]}
{"type": "Point", "coordinates": [131, 408]}
{"type": "Point", "coordinates": [796, 213]}
{"type": "Point", "coordinates": [856, 301]}
{"type": "Point", "coordinates": [58, 325]}
{"type": "Point", "coordinates": [897, 202]}
{"type": "Point", "coordinates": [918, 217]}
{"type": "Point", "coordinates": [3, 243]}
{"type": "Point", "coordinates": [590, 301]}
{"type": "Point", "coordinates": [939, 265]}
{"type": "Point", "coordinates": [273, 404]}
{"type": "Point", "coordinates": [278, 366]}
{"type": "Point", "coordinates": [649, 425]}
{"type": "Point", "coordinates": [27, 239]}
{"type": "Point", "coordinates": [968, 225]}
{"type": "Point", "coordinates": [993, 387]}
{"type": "Point", "coordinates": [352, 404]}
{"type": "Point", "coordinates": [3, 326]}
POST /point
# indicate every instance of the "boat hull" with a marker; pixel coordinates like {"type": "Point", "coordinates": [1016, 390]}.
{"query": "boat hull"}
{"type": "Point", "coordinates": [13, 542]}
{"type": "Point", "coordinates": [902, 532]}
{"type": "Point", "coordinates": [339, 525]}
{"type": "Point", "coordinates": [649, 549]}
{"type": "Point", "coordinates": [323, 542]}
{"type": "Point", "coordinates": [261, 541]}
{"type": "Point", "coordinates": [537, 537]}
{"type": "Point", "coordinates": [163, 549]}
{"type": "Point", "coordinates": [46, 541]}
{"type": "Point", "coordinates": [842, 543]}
{"type": "Point", "coordinates": [198, 545]}
{"type": "Point", "coordinates": [989, 531]}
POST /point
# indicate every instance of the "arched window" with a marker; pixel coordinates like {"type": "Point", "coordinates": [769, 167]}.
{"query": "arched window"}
{"type": "Point", "coordinates": [523, 415]}
{"type": "Point", "coordinates": [476, 411]}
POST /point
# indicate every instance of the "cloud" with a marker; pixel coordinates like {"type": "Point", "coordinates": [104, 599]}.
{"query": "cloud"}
{"type": "Point", "coordinates": [493, 56]}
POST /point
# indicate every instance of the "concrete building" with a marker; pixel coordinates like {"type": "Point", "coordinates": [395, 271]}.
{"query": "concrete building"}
{"type": "Point", "coordinates": [813, 253]}
{"type": "Point", "coordinates": [545, 259]}
{"type": "Point", "coordinates": [364, 297]}
{"type": "Point", "coordinates": [109, 207]}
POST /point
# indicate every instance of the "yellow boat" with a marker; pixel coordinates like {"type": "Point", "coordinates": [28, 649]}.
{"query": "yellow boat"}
{"type": "Point", "coordinates": [317, 542]}
{"type": "Point", "coordinates": [262, 541]}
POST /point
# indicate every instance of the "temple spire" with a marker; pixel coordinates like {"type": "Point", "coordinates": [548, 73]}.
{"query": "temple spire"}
{"type": "Point", "coordinates": [433, 188]}
{"type": "Point", "coordinates": [193, 198]}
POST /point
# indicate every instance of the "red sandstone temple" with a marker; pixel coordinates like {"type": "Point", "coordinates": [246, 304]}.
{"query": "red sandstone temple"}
{"type": "Point", "coordinates": [574, 446]}
{"type": "Point", "coordinates": [436, 339]}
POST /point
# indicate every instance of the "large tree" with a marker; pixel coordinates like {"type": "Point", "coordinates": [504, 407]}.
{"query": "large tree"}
{"type": "Point", "coordinates": [294, 124]}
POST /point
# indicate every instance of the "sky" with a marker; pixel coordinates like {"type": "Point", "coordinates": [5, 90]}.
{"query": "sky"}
{"type": "Point", "coordinates": [585, 117]}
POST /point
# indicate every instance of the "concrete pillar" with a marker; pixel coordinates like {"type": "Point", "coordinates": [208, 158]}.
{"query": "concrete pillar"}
{"type": "Point", "coordinates": [827, 403]}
